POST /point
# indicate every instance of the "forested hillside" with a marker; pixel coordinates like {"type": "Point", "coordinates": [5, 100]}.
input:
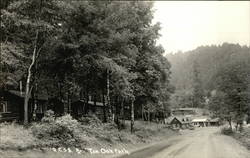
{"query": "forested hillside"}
{"type": "Point", "coordinates": [218, 74]}
{"type": "Point", "coordinates": [209, 60]}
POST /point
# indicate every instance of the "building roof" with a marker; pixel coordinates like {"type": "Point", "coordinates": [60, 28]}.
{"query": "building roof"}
{"type": "Point", "coordinates": [185, 109]}
{"type": "Point", "coordinates": [182, 120]}
{"type": "Point", "coordinates": [200, 120]}
{"type": "Point", "coordinates": [215, 120]}
{"type": "Point", "coordinates": [22, 95]}
{"type": "Point", "coordinates": [90, 102]}
{"type": "Point", "coordinates": [97, 103]}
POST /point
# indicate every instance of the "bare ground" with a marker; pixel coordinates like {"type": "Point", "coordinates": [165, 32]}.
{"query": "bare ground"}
{"type": "Point", "coordinates": [200, 143]}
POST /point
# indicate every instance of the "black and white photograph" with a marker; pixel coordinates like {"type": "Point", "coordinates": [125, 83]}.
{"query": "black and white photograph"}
{"type": "Point", "coordinates": [124, 79]}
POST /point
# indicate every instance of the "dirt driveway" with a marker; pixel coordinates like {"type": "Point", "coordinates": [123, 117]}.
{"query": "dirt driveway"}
{"type": "Point", "coordinates": [204, 142]}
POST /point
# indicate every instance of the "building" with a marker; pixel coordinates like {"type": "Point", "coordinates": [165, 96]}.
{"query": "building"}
{"type": "Point", "coordinates": [201, 122]}
{"type": "Point", "coordinates": [12, 106]}
{"type": "Point", "coordinates": [179, 122]}
{"type": "Point", "coordinates": [80, 108]}
{"type": "Point", "coordinates": [215, 122]}
{"type": "Point", "coordinates": [59, 106]}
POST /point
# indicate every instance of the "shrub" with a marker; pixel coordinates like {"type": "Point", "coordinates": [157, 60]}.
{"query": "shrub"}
{"type": "Point", "coordinates": [91, 120]}
{"type": "Point", "coordinates": [60, 131]}
{"type": "Point", "coordinates": [226, 131]}
{"type": "Point", "coordinates": [48, 116]}
{"type": "Point", "coordinates": [67, 122]}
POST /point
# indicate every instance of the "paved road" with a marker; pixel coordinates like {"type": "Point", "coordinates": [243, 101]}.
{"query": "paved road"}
{"type": "Point", "coordinates": [200, 143]}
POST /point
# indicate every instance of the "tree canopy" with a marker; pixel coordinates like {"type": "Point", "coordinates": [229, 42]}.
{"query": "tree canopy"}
{"type": "Point", "coordinates": [88, 48]}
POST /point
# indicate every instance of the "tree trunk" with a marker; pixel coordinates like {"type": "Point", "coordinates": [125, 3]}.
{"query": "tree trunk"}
{"type": "Point", "coordinates": [94, 108]}
{"type": "Point", "coordinates": [86, 108]}
{"type": "Point", "coordinates": [122, 112]}
{"type": "Point", "coordinates": [132, 116]}
{"type": "Point", "coordinates": [117, 112]}
{"type": "Point", "coordinates": [142, 111]}
{"type": "Point", "coordinates": [69, 102]}
{"type": "Point", "coordinates": [230, 123]}
{"type": "Point", "coordinates": [148, 116]}
{"type": "Point", "coordinates": [28, 90]}
{"type": "Point", "coordinates": [110, 111]}
{"type": "Point", "coordinates": [104, 107]}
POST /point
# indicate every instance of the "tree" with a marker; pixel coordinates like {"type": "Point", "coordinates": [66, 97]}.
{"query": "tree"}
{"type": "Point", "coordinates": [92, 48]}
{"type": "Point", "coordinates": [233, 80]}
{"type": "Point", "coordinates": [198, 96]}
{"type": "Point", "coordinates": [220, 108]}
{"type": "Point", "coordinates": [29, 25]}
{"type": "Point", "coordinates": [209, 60]}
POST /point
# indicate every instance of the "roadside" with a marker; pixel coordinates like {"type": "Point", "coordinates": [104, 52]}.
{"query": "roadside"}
{"type": "Point", "coordinates": [53, 141]}
{"type": "Point", "coordinates": [243, 137]}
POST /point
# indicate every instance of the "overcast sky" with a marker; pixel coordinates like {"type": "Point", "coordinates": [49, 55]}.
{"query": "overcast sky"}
{"type": "Point", "coordinates": [187, 25]}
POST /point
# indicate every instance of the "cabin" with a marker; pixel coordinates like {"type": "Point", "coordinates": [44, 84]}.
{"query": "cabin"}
{"type": "Point", "coordinates": [80, 108]}
{"type": "Point", "coordinates": [201, 122]}
{"type": "Point", "coordinates": [12, 106]}
{"type": "Point", "coordinates": [179, 122]}
{"type": "Point", "coordinates": [215, 122]}
{"type": "Point", "coordinates": [58, 106]}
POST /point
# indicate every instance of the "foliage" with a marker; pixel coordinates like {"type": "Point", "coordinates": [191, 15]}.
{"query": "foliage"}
{"type": "Point", "coordinates": [14, 136]}
{"type": "Point", "coordinates": [198, 95]}
{"type": "Point", "coordinates": [243, 137]}
{"type": "Point", "coordinates": [182, 98]}
{"type": "Point", "coordinates": [103, 49]}
{"type": "Point", "coordinates": [226, 131]}
{"type": "Point", "coordinates": [62, 131]}
{"type": "Point", "coordinates": [222, 76]}
{"type": "Point", "coordinates": [48, 116]}
{"type": "Point", "coordinates": [209, 58]}
{"type": "Point", "coordinates": [91, 120]}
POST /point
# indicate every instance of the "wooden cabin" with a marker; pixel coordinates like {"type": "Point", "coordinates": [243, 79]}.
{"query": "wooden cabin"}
{"type": "Point", "coordinates": [58, 106]}
{"type": "Point", "coordinates": [178, 122]}
{"type": "Point", "coordinates": [12, 106]}
{"type": "Point", "coordinates": [201, 122]}
{"type": "Point", "coordinates": [80, 108]}
{"type": "Point", "coordinates": [215, 122]}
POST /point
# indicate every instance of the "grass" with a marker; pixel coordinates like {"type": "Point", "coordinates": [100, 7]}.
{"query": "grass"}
{"type": "Point", "coordinates": [227, 131]}
{"type": "Point", "coordinates": [13, 136]}
{"type": "Point", "coordinates": [17, 141]}
{"type": "Point", "coordinates": [243, 137]}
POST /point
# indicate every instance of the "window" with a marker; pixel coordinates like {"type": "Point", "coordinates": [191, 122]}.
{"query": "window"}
{"type": "Point", "coordinates": [3, 107]}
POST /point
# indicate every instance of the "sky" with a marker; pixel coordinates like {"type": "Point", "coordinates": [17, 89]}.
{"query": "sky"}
{"type": "Point", "coordinates": [189, 24]}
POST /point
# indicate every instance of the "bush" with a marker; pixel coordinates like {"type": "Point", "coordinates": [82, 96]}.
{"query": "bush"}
{"type": "Point", "coordinates": [48, 116]}
{"type": "Point", "coordinates": [91, 120]}
{"type": "Point", "coordinates": [67, 122]}
{"type": "Point", "coordinates": [227, 131]}
{"type": "Point", "coordinates": [60, 131]}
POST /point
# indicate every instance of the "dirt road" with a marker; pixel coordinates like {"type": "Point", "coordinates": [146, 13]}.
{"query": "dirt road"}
{"type": "Point", "coordinates": [199, 143]}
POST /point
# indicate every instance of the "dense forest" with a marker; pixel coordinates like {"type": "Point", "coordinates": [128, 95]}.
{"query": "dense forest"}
{"type": "Point", "coordinates": [214, 77]}
{"type": "Point", "coordinates": [77, 49]}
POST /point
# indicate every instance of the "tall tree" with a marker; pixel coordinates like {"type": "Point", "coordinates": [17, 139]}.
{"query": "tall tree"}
{"type": "Point", "coordinates": [29, 25]}
{"type": "Point", "coordinates": [198, 96]}
{"type": "Point", "coordinates": [106, 48]}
